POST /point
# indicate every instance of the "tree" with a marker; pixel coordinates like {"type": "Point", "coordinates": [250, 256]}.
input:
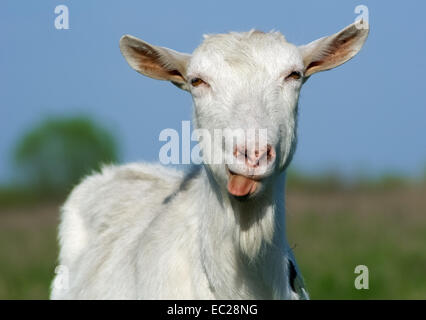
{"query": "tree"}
{"type": "Point", "coordinates": [57, 153]}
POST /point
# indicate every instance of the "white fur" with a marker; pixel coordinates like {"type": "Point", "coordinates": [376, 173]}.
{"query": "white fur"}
{"type": "Point", "coordinates": [142, 231]}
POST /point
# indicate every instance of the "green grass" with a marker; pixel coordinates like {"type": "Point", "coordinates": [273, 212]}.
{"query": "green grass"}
{"type": "Point", "coordinates": [383, 232]}
{"type": "Point", "coordinates": [329, 250]}
{"type": "Point", "coordinates": [332, 231]}
{"type": "Point", "coordinates": [28, 253]}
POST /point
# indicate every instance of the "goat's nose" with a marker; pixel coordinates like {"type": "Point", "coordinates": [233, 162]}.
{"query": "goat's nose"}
{"type": "Point", "coordinates": [255, 157]}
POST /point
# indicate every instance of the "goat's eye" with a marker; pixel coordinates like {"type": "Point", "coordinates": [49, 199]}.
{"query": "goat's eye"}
{"type": "Point", "coordinates": [195, 82]}
{"type": "Point", "coordinates": [295, 75]}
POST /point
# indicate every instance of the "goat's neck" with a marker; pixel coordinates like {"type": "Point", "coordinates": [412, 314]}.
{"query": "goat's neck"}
{"type": "Point", "coordinates": [242, 241]}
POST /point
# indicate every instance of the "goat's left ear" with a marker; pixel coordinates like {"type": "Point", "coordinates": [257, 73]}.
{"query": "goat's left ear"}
{"type": "Point", "coordinates": [329, 52]}
{"type": "Point", "coordinates": [155, 62]}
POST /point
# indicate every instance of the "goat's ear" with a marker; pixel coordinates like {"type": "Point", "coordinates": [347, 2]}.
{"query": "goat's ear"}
{"type": "Point", "coordinates": [155, 62]}
{"type": "Point", "coordinates": [329, 52]}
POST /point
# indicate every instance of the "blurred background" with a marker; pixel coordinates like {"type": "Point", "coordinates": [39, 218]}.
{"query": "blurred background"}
{"type": "Point", "coordinates": [356, 191]}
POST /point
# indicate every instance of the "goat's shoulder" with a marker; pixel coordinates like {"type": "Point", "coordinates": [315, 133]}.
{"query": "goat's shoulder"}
{"type": "Point", "coordinates": [116, 198]}
{"type": "Point", "coordinates": [125, 188]}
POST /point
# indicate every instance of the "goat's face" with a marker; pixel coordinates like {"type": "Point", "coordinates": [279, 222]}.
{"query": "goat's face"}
{"type": "Point", "coordinates": [245, 88]}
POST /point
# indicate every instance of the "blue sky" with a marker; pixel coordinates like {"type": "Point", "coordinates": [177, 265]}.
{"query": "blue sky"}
{"type": "Point", "coordinates": [368, 115]}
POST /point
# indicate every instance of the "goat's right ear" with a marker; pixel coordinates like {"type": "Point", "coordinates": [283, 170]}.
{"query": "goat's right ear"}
{"type": "Point", "coordinates": [155, 62]}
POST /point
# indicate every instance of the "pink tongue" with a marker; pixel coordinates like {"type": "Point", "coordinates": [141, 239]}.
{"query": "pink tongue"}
{"type": "Point", "coordinates": [241, 186]}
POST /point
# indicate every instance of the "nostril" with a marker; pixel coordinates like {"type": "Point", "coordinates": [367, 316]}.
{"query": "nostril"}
{"type": "Point", "coordinates": [237, 152]}
{"type": "Point", "coordinates": [255, 157]}
{"type": "Point", "coordinates": [270, 153]}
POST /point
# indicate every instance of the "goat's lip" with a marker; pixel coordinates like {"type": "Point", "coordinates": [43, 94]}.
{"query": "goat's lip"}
{"type": "Point", "coordinates": [254, 177]}
{"type": "Point", "coordinates": [242, 186]}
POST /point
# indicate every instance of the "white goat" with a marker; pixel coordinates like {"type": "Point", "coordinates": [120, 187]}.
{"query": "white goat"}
{"type": "Point", "coordinates": [142, 231]}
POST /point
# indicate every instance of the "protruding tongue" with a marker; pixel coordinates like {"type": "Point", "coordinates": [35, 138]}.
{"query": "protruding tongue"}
{"type": "Point", "coordinates": [241, 186]}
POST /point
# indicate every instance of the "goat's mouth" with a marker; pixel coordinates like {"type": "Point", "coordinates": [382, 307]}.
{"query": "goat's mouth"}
{"type": "Point", "coordinates": [242, 186]}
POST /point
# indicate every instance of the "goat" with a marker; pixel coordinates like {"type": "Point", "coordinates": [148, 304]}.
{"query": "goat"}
{"type": "Point", "coordinates": [216, 231]}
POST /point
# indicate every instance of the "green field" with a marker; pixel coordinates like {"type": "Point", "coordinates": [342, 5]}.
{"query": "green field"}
{"type": "Point", "coordinates": [382, 229]}
{"type": "Point", "coordinates": [332, 232]}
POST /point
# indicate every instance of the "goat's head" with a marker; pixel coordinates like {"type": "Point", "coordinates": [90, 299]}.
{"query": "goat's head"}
{"type": "Point", "coordinates": [242, 84]}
